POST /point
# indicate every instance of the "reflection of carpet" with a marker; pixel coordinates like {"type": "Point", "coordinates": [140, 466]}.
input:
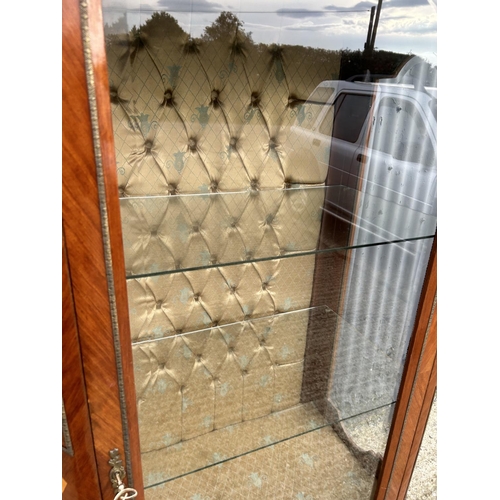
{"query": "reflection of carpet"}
{"type": "Point", "coordinates": [313, 466]}
{"type": "Point", "coordinates": [370, 430]}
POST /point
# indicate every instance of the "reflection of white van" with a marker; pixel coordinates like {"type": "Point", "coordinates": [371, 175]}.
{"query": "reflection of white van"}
{"type": "Point", "coordinates": [378, 139]}
{"type": "Point", "coordinates": [381, 139]}
{"type": "Point", "coordinates": [375, 144]}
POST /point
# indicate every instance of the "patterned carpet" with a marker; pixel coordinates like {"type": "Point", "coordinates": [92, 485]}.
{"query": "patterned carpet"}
{"type": "Point", "coordinates": [314, 466]}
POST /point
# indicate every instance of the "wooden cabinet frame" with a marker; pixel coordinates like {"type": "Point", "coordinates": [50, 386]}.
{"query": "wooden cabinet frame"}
{"type": "Point", "coordinates": [91, 224]}
{"type": "Point", "coordinates": [98, 383]}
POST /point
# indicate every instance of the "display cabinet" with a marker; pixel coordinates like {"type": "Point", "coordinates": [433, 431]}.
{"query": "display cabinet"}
{"type": "Point", "coordinates": [249, 261]}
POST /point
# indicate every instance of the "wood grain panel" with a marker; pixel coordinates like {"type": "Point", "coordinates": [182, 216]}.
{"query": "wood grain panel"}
{"type": "Point", "coordinates": [108, 160]}
{"type": "Point", "coordinates": [83, 229]}
{"type": "Point", "coordinates": [415, 397]}
{"type": "Point", "coordinates": [404, 477]}
{"type": "Point", "coordinates": [79, 471]}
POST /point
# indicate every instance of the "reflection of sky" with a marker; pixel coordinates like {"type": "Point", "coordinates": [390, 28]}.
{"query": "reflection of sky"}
{"type": "Point", "coordinates": [406, 26]}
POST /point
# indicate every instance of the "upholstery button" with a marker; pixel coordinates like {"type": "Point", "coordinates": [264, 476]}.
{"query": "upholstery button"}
{"type": "Point", "coordinates": [214, 95]}
{"type": "Point", "coordinates": [121, 192]}
{"type": "Point", "coordinates": [232, 289]}
{"type": "Point", "coordinates": [294, 101]}
{"type": "Point", "coordinates": [182, 388]}
{"type": "Point", "coordinates": [198, 358]}
{"type": "Point", "coordinates": [148, 146]}
{"type": "Point", "coordinates": [196, 297]}
{"type": "Point", "coordinates": [172, 189]}
{"type": "Point", "coordinates": [168, 98]}
{"type": "Point", "coordinates": [262, 342]}
{"type": "Point", "coordinates": [161, 366]}
{"type": "Point", "coordinates": [215, 323]}
{"type": "Point", "coordinates": [272, 143]}
{"type": "Point", "coordinates": [154, 232]}
{"type": "Point", "coordinates": [233, 223]}
{"type": "Point", "coordinates": [178, 332]}
{"type": "Point", "coordinates": [233, 142]}
{"type": "Point", "coordinates": [192, 144]}
{"type": "Point", "coordinates": [196, 228]}
{"type": "Point", "coordinates": [177, 265]}
{"type": "Point", "coordinates": [114, 96]}
{"type": "Point", "coordinates": [254, 184]}
{"type": "Point", "coordinates": [264, 286]}
{"type": "Point", "coordinates": [158, 304]}
{"type": "Point", "coordinates": [244, 372]}
{"type": "Point", "coordinates": [249, 255]}
{"type": "Point", "coordinates": [255, 99]}
{"type": "Point", "coordinates": [191, 46]}
{"type": "Point", "coordinates": [213, 259]}
{"type": "Point", "coordinates": [269, 219]}
{"type": "Point", "coordinates": [214, 186]}
{"type": "Point", "coordinates": [231, 350]}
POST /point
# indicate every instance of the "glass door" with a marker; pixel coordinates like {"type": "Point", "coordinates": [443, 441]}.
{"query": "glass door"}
{"type": "Point", "coordinates": [278, 206]}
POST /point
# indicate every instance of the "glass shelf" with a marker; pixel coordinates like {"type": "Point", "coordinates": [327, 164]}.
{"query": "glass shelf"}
{"type": "Point", "coordinates": [170, 234]}
{"type": "Point", "coordinates": [226, 391]}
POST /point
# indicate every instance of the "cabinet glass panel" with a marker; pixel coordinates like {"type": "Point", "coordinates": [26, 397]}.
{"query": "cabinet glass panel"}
{"type": "Point", "coordinates": [278, 204]}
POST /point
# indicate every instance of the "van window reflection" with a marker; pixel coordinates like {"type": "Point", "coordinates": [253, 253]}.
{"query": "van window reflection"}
{"type": "Point", "coordinates": [350, 114]}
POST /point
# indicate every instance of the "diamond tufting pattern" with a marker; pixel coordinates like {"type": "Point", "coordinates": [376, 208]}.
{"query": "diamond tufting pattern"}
{"type": "Point", "coordinates": [207, 177]}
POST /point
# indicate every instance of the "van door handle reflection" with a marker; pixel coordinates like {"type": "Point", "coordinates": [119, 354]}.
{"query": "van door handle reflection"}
{"type": "Point", "coordinates": [361, 158]}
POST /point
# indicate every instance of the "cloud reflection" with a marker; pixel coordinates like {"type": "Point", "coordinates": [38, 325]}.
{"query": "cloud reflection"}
{"type": "Point", "coordinates": [192, 6]}
{"type": "Point", "coordinates": [300, 14]}
{"type": "Point", "coordinates": [407, 25]}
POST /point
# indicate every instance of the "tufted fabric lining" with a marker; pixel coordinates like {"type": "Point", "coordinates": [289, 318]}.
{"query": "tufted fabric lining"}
{"type": "Point", "coordinates": [183, 232]}
{"type": "Point", "coordinates": [209, 379]}
{"type": "Point", "coordinates": [207, 176]}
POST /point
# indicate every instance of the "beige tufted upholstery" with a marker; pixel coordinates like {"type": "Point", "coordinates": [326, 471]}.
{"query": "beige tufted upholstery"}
{"type": "Point", "coordinates": [189, 231]}
{"type": "Point", "coordinates": [213, 378]}
{"type": "Point", "coordinates": [207, 178]}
